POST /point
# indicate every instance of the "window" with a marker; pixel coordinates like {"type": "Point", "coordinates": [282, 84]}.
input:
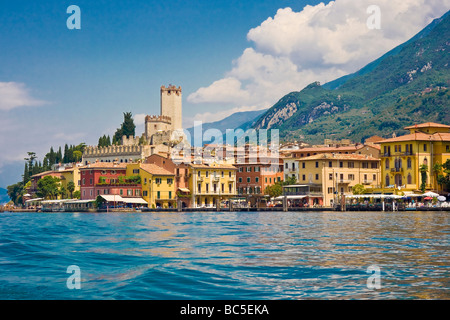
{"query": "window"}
{"type": "Point", "coordinates": [240, 180]}
{"type": "Point", "coordinates": [408, 163]}
{"type": "Point", "coordinates": [170, 194]}
{"type": "Point", "coordinates": [256, 179]}
{"type": "Point", "coordinates": [137, 193]}
{"type": "Point", "coordinates": [248, 180]}
{"type": "Point", "coordinates": [352, 177]}
{"type": "Point", "coordinates": [241, 169]}
{"type": "Point", "coordinates": [207, 173]}
{"type": "Point", "coordinates": [158, 195]}
{"type": "Point", "coordinates": [199, 174]}
{"type": "Point", "coordinates": [136, 171]}
{"type": "Point", "coordinates": [256, 169]}
{"type": "Point", "coordinates": [365, 165]}
{"type": "Point", "coordinates": [91, 192]}
{"type": "Point", "coordinates": [84, 181]}
{"type": "Point", "coordinates": [90, 181]}
{"type": "Point", "coordinates": [230, 188]}
{"type": "Point", "coordinates": [387, 164]}
{"type": "Point", "coordinates": [214, 188]}
{"type": "Point", "coordinates": [317, 164]}
{"type": "Point", "coordinates": [351, 164]}
{"type": "Point", "coordinates": [121, 192]}
{"type": "Point", "coordinates": [169, 180]}
{"type": "Point", "coordinates": [303, 165]}
{"type": "Point", "coordinates": [317, 176]}
{"type": "Point", "coordinates": [424, 147]}
{"type": "Point", "coordinates": [388, 183]}
{"type": "Point", "coordinates": [145, 193]}
{"type": "Point", "coordinates": [229, 174]}
{"type": "Point", "coordinates": [223, 188]}
{"type": "Point", "coordinates": [199, 188]}
{"type": "Point", "coordinates": [286, 165]}
{"type": "Point", "coordinates": [304, 177]}
{"type": "Point", "coordinates": [158, 180]}
{"type": "Point", "coordinates": [130, 192]}
{"type": "Point", "coordinates": [330, 164]}
{"type": "Point", "coordinates": [395, 148]}
{"type": "Point", "coordinates": [409, 179]}
{"type": "Point", "coordinates": [330, 176]}
{"type": "Point", "coordinates": [293, 165]}
{"type": "Point", "coordinates": [399, 148]}
{"type": "Point", "coordinates": [98, 192]}
{"type": "Point", "coordinates": [374, 165]}
{"type": "Point", "coordinates": [249, 169]}
{"type": "Point", "coordinates": [447, 148]}
{"type": "Point", "coordinates": [270, 180]}
{"type": "Point", "coordinates": [374, 177]}
{"type": "Point", "coordinates": [207, 187]}
{"type": "Point", "coordinates": [330, 190]}
{"type": "Point", "coordinates": [223, 174]}
{"type": "Point", "coordinates": [341, 164]}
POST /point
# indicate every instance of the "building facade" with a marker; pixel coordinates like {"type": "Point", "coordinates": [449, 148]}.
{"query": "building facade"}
{"type": "Point", "coordinates": [403, 157]}
{"type": "Point", "coordinates": [210, 184]}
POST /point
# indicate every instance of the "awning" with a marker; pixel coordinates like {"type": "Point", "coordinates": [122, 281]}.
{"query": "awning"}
{"type": "Point", "coordinates": [35, 199]}
{"type": "Point", "coordinates": [290, 197]}
{"type": "Point", "coordinates": [79, 201]}
{"type": "Point", "coordinates": [112, 197]}
{"type": "Point", "coordinates": [184, 189]}
{"type": "Point", "coordinates": [134, 200]}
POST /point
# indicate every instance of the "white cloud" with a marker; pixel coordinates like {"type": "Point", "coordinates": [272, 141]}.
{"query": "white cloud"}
{"type": "Point", "coordinates": [15, 95]}
{"type": "Point", "coordinates": [319, 43]}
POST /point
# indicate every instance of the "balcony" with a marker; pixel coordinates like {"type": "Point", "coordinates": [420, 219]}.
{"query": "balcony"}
{"type": "Point", "coordinates": [396, 169]}
{"type": "Point", "coordinates": [367, 181]}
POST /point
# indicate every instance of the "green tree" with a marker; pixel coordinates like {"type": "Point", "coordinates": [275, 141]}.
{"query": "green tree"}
{"type": "Point", "coordinates": [274, 190]}
{"type": "Point", "coordinates": [423, 169]}
{"type": "Point", "coordinates": [48, 187]}
{"type": "Point", "coordinates": [71, 188]}
{"type": "Point", "coordinates": [77, 194]}
{"type": "Point", "coordinates": [15, 192]}
{"type": "Point", "coordinates": [128, 128]}
{"type": "Point", "coordinates": [358, 189]}
{"type": "Point", "coordinates": [77, 155]}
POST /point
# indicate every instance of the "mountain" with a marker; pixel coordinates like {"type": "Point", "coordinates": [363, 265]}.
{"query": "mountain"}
{"type": "Point", "coordinates": [4, 198]}
{"type": "Point", "coordinates": [239, 120]}
{"type": "Point", "coordinates": [407, 85]}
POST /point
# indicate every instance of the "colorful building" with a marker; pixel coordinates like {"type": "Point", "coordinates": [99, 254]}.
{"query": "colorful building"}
{"type": "Point", "coordinates": [157, 184]}
{"type": "Point", "coordinates": [107, 178]}
{"type": "Point", "coordinates": [333, 175]}
{"type": "Point", "coordinates": [402, 158]}
{"type": "Point", "coordinates": [211, 183]}
{"type": "Point", "coordinates": [253, 177]}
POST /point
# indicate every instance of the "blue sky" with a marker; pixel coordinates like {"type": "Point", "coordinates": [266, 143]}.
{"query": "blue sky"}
{"type": "Point", "coordinates": [62, 86]}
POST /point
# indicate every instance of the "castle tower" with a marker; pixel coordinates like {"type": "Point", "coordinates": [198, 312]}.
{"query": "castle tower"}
{"type": "Point", "coordinates": [171, 105]}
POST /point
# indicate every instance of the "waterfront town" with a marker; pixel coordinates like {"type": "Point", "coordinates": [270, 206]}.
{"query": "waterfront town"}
{"type": "Point", "coordinates": [144, 173]}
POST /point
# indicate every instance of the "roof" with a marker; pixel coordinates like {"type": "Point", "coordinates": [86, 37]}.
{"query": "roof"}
{"type": "Point", "coordinates": [419, 136]}
{"type": "Point", "coordinates": [105, 165]}
{"type": "Point", "coordinates": [46, 173]}
{"type": "Point", "coordinates": [155, 169]}
{"type": "Point", "coordinates": [428, 125]}
{"type": "Point", "coordinates": [339, 156]}
{"type": "Point", "coordinates": [213, 166]}
{"type": "Point", "coordinates": [373, 139]}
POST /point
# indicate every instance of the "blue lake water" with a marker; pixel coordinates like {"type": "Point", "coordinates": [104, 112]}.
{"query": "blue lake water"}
{"type": "Point", "coordinates": [230, 255]}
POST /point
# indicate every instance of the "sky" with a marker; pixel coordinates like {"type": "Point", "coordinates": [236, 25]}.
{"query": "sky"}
{"type": "Point", "coordinates": [61, 85]}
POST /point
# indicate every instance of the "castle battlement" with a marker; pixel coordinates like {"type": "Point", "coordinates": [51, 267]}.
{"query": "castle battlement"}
{"type": "Point", "coordinates": [171, 89]}
{"type": "Point", "coordinates": [162, 118]}
{"type": "Point", "coordinates": [92, 151]}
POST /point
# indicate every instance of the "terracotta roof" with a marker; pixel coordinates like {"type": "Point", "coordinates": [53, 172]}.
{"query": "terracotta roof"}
{"type": "Point", "coordinates": [155, 169]}
{"type": "Point", "coordinates": [213, 166]}
{"type": "Point", "coordinates": [374, 139]}
{"type": "Point", "coordinates": [340, 156]}
{"type": "Point", "coordinates": [332, 149]}
{"type": "Point", "coordinates": [428, 125]}
{"type": "Point", "coordinates": [419, 136]}
{"type": "Point", "coordinates": [105, 165]}
{"type": "Point", "coordinates": [46, 173]}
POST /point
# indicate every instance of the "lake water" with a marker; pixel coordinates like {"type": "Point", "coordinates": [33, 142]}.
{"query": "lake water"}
{"type": "Point", "coordinates": [230, 255]}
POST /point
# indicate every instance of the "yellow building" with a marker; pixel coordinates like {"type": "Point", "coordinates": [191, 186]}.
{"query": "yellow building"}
{"type": "Point", "coordinates": [330, 175]}
{"type": "Point", "coordinates": [158, 187]}
{"type": "Point", "coordinates": [70, 174]}
{"type": "Point", "coordinates": [210, 183]}
{"type": "Point", "coordinates": [402, 157]}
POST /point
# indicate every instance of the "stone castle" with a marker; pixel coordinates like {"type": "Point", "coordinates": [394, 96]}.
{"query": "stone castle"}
{"type": "Point", "coordinates": [159, 135]}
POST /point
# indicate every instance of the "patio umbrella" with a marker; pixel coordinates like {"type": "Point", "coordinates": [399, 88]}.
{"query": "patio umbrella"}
{"type": "Point", "coordinates": [428, 198]}
{"type": "Point", "coordinates": [441, 198]}
{"type": "Point", "coordinates": [430, 194]}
